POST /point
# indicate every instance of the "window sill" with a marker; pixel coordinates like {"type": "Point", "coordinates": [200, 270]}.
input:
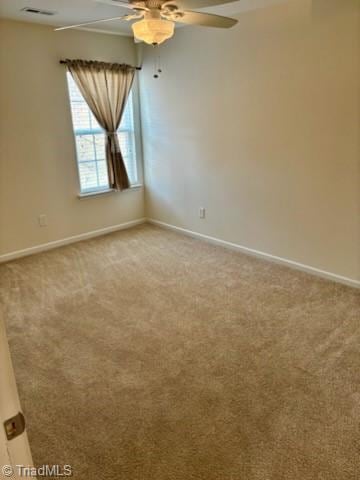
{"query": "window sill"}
{"type": "Point", "coordinates": [108, 191]}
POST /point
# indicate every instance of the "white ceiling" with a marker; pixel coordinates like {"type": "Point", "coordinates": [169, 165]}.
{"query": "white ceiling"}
{"type": "Point", "coordinates": [77, 11]}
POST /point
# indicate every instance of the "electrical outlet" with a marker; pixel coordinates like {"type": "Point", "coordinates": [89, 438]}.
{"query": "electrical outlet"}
{"type": "Point", "coordinates": [43, 220]}
{"type": "Point", "coordinates": [202, 212]}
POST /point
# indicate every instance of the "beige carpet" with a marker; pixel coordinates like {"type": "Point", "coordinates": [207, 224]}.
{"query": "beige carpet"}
{"type": "Point", "coordinates": [146, 355]}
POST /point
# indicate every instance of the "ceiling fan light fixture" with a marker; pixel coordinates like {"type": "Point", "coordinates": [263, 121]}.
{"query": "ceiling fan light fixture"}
{"type": "Point", "coordinates": [153, 30]}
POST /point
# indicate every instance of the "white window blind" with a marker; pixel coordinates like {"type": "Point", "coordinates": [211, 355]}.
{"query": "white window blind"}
{"type": "Point", "coordinates": [90, 142]}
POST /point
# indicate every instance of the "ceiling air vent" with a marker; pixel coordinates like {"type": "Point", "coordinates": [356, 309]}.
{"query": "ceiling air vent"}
{"type": "Point", "coordinates": [37, 11]}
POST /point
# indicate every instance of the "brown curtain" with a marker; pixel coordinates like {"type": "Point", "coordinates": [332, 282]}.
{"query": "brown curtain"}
{"type": "Point", "coordinates": [106, 87]}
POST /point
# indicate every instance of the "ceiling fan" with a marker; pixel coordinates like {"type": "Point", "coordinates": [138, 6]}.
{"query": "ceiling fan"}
{"type": "Point", "coordinates": [157, 18]}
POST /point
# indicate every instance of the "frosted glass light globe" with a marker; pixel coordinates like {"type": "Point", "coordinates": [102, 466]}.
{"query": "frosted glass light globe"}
{"type": "Point", "coordinates": [153, 30]}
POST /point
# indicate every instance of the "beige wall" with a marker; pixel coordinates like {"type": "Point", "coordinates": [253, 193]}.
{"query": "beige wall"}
{"type": "Point", "coordinates": [38, 173]}
{"type": "Point", "coordinates": [260, 125]}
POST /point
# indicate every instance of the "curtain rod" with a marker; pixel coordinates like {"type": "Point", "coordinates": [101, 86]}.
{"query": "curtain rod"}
{"type": "Point", "coordinates": [64, 63]}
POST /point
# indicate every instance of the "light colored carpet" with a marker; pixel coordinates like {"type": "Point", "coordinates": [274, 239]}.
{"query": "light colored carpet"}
{"type": "Point", "coordinates": [147, 355]}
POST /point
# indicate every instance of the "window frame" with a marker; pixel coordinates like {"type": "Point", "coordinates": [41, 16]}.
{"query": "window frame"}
{"type": "Point", "coordinates": [137, 144]}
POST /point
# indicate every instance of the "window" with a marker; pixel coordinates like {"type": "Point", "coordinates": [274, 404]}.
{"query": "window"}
{"type": "Point", "coordinates": [90, 142]}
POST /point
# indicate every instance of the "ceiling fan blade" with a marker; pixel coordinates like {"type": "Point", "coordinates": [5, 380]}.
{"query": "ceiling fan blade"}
{"type": "Point", "coordinates": [123, 3]}
{"type": "Point", "coordinates": [197, 4]}
{"type": "Point", "coordinates": [206, 20]}
{"type": "Point", "coordinates": [124, 17]}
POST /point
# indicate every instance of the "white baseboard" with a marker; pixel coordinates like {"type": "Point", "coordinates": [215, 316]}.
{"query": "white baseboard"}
{"type": "Point", "coordinates": [66, 241]}
{"type": "Point", "coordinates": [266, 256]}
{"type": "Point", "coordinates": [122, 226]}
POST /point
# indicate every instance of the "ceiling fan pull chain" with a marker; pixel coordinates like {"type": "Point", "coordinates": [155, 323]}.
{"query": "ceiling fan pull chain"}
{"type": "Point", "coordinates": [157, 68]}
{"type": "Point", "coordinates": [155, 72]}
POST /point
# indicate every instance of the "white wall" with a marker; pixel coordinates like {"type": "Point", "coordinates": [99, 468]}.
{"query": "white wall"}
{"type": "Point", "coordinates": [38, 173]}
{"type": "Point", "coordinates": [260, 125]}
